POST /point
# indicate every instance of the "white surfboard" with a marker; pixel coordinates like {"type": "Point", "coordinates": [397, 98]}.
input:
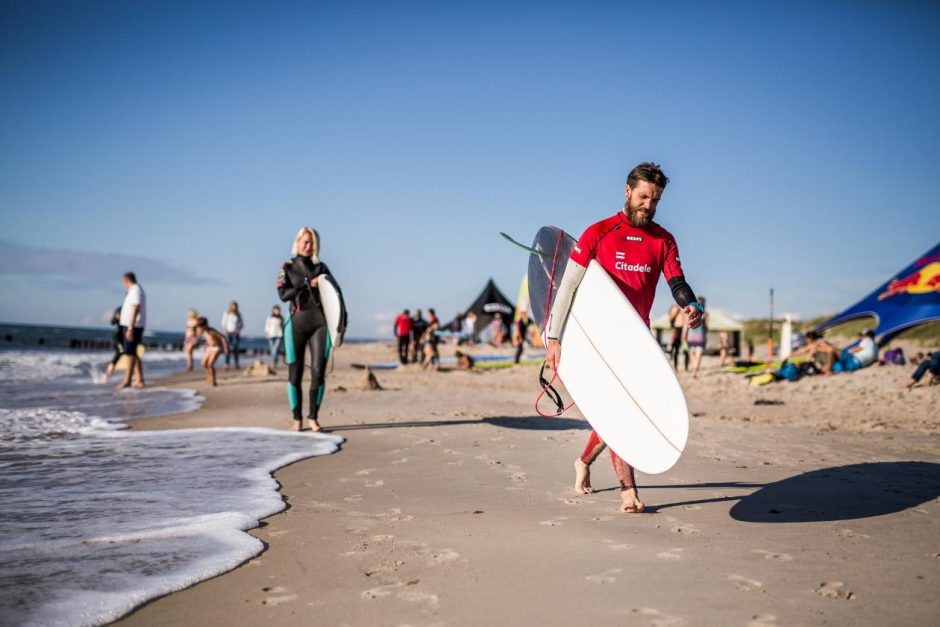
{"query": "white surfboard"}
{"type": "Point", "coordinates": [333, 308]}
{"type": "Point", "coordinates": [620, 378]}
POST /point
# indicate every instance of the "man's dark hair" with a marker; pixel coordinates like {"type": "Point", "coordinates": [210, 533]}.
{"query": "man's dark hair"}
{"type": "Point", "coordinates": [649, 172]}
{"type": "Point", "coordinates": [130, 276]}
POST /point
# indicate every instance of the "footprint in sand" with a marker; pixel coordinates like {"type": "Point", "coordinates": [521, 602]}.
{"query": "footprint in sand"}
{"type": "Point", "coordinates": [671, 554]}
{"type": "Point", "coordinates": [379, 592]}
{"type": "Point", "coordinates": [605, 577]}
{"type": "Point", "coordinates": [416, 596]}
{"type": "Point", "coordinates": [619, 547]}
{"type": "Point", "coordinates": [277, 597]}
{"type": "Point", "coordinates": [363, 473]}
{"type": "Point", "coordinates": [572, 501]}
{"type": "Point", "coordinates": [355, 498]}
{"type": "Point", "coordinates": [778, 557]}
{"type": "Point", "coordinates": [745, 584]}
{"type": "Point", "coordinates": [657, 618]}
{"type": "Point", "coordinates": [686, 530]}
{"type": "Point", "coordinates": [439, 556]}
{"type": "Point", "coordinates": [551, 523]}
{"type": "Point", "coordinates": [692, 508]}
{"type": "Point", "coordinates": [375, 484]}
{"type": "Point", "coordinates": [834, 590]}
{"type": "Point", "coordinates": [403, 460]}
{"type": "Point", "coordinates": [848, 533]}
{"type": "Point", "coordinates": [382, 537]}
{"type": "Point", "coordinates": [762, 620]}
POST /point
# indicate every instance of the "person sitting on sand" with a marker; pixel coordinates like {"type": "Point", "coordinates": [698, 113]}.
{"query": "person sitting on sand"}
{"type": "Point", "coordinates": [215, 343]}
{"type": "Point", "coordinates": [190, 337]}
{"type": "Point", "coordinates": [931, 363]}
{"type": "Point", "coordinates": [823, 353]}
{"type": "Point", "coordinates": [861, 354]}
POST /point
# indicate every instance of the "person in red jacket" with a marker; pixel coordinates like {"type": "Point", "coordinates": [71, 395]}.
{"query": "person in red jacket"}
{"type": "Point", "coordinates": [403, 333]}
{"type": "Point", "coordinates": [634, 251]}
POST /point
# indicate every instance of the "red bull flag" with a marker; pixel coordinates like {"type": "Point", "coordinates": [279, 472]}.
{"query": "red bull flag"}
{"type": "Point", "coordinates": [909, 298]}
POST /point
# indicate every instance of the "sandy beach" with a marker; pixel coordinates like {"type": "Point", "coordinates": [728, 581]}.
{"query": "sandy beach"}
{"type": "Point", "coordinates": [452, 503]}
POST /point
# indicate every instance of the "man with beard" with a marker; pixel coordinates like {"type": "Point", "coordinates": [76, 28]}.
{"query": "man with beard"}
{"type": "Point", "coordinates": [633, 250]}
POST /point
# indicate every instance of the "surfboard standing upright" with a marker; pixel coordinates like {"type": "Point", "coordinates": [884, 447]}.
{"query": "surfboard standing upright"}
{"type": "Point", "coordinates": [611, 365]}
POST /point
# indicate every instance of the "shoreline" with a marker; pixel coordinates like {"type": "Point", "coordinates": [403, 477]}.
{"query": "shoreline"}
{"type": "Point", "coordinates": [452, 504]}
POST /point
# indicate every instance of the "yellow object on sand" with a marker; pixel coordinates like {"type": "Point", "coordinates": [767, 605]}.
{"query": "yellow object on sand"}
{"type": "Point", "coordinates": [763, 379]}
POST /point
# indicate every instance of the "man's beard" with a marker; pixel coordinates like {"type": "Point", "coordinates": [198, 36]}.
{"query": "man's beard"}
{"type": "Point", "coordinates": [636, 217]}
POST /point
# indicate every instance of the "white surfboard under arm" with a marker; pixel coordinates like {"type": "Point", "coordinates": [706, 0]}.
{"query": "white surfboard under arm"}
{"type": "Point", "coordinates": [568, 285]}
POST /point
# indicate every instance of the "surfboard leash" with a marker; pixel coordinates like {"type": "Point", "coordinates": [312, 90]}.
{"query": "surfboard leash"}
{"type": "Point", "coordinates": [549, 390]}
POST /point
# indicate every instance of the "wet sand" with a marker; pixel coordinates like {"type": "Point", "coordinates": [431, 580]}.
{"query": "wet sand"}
{"type": "Point", "coordinates": [452, 503]}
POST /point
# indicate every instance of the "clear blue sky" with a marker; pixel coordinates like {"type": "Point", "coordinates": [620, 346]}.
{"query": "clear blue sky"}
{"type": "Point", "coordinates": [189, 142]}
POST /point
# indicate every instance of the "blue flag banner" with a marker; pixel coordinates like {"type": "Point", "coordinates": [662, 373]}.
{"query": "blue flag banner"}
{"type": "Point", "coordinates": [909, 298]}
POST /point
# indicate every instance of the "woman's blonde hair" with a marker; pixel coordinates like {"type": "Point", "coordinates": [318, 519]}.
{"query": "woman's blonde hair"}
{"type": "Point", "coordinates": [314, 236]}
{"type": "Point", "coordinates": [192, 313]}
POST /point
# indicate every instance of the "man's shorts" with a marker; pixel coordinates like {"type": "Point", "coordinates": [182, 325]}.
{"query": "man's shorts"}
{"type": "Point", "coordinates": [130, 345]}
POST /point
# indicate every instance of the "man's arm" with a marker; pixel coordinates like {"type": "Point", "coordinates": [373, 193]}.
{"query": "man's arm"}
{"type": "Point", "coordinates": [570, 280]}
{"type": "Point", "coordinates": [681, 291]}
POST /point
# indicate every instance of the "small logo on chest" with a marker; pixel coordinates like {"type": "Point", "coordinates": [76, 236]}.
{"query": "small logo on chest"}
{"type": "Point", "coordinates": [633, 238]}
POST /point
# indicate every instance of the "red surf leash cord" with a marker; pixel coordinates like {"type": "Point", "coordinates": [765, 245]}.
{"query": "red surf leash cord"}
{"type": "Point", "coordinates": [547, 387]}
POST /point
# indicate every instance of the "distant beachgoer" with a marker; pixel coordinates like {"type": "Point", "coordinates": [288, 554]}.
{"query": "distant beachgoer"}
{"type": "Point", "coordinates": [470, 328]}
{"type": "Point", "coordinates": [297, 283]}
{"type": "Point", "coordinates": [274, 331]}
{"type": "Point", "coordinates": [929, 363]}
{"type": "Point", "coordinates": [403, 334]}
{"type": "Point", "coordinates": [418, 326]}
{"type": "Point", "coordinates": [118, 344]}
{"type": "Point", "coordinates": [498, 329]}
{"type": "Point", "coordinates": [432, 356]}
{"type": "Point", "coordinates": [697, 338]}
{"type": "Point", "coordinates": [726, 348]}
{"type": "Point", "coordinates": [520, 334]}
{"type": "Point", "coordinates": [215, 343]}
{"type": "Point", "coordinates": [823, 353]}
{"type": "Point", "coordinates": [676, 323]}
{"type": "Point", "coordinates": [650, 245]}
{"type": "Point", "coordinates": [133, 320]}
{"type": "Point", "coordinates": [190, 337]}
{"type": "Point", "coordinates": [232, 325]}
{"type": "Point", "coordinates": [456, 325]}
{"type": "Point", "coordinates": [860, 354]}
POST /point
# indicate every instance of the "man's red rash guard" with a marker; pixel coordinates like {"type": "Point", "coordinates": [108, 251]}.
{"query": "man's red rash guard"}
{"type": "Point", "coordinates": [634, 257]}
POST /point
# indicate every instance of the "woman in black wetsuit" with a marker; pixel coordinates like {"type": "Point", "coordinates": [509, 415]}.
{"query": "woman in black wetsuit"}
{"type": "Point", "coordinates": [297, 284]}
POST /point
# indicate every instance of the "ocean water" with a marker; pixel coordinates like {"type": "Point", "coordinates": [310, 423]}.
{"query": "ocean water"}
{"type": "Point", "coordinates": [96, 519]}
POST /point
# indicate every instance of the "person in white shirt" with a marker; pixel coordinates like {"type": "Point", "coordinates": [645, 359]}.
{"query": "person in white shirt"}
{"type": "Point", "coordinates": [232, 327]}
{"type": "Point", "coordinates": [274, 331]}
{"type": "Point", "coordinates": [132, 323]}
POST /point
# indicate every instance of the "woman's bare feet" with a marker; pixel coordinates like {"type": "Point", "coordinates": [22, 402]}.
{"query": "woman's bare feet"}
{"type": "Point", "coordinates": [582, 477]}
{"type": "Point", "coordinates": [297, 426]}
{"type": "Point", "coordinates": [314, 425]}
{"type": "Point", "coordinates": [630, 502]}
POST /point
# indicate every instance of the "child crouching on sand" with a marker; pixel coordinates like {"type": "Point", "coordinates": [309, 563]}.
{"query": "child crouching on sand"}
{"type": "Point", "coordinates": [215, 343]}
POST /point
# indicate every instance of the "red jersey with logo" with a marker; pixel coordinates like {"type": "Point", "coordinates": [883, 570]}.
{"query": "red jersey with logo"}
{"type": "Point", "coordinates": [634, 257]}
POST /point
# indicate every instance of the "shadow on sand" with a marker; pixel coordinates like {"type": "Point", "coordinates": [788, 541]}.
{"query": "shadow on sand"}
{"type": "Point", "coordinates": [842, 493]}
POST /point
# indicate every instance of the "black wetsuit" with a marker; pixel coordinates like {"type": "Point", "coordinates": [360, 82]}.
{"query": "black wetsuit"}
{"type": "Point", "coordinates": [305, 327]}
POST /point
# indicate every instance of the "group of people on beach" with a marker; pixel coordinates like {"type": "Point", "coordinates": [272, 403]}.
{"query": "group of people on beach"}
{"type": "Point", "coordinates": [417, 338]}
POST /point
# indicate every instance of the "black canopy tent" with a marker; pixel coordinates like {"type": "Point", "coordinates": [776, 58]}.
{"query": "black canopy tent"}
{"type": "Point", "coordinates": [490, 302]}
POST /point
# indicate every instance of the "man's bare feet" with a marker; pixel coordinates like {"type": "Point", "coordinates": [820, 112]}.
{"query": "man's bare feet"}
{"type": "Point", "coordinates": [582, 477]}
{"type": "Point", "coordinates": [297, 426]}
{"type": "Point", "coordinates": [630, 502]}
